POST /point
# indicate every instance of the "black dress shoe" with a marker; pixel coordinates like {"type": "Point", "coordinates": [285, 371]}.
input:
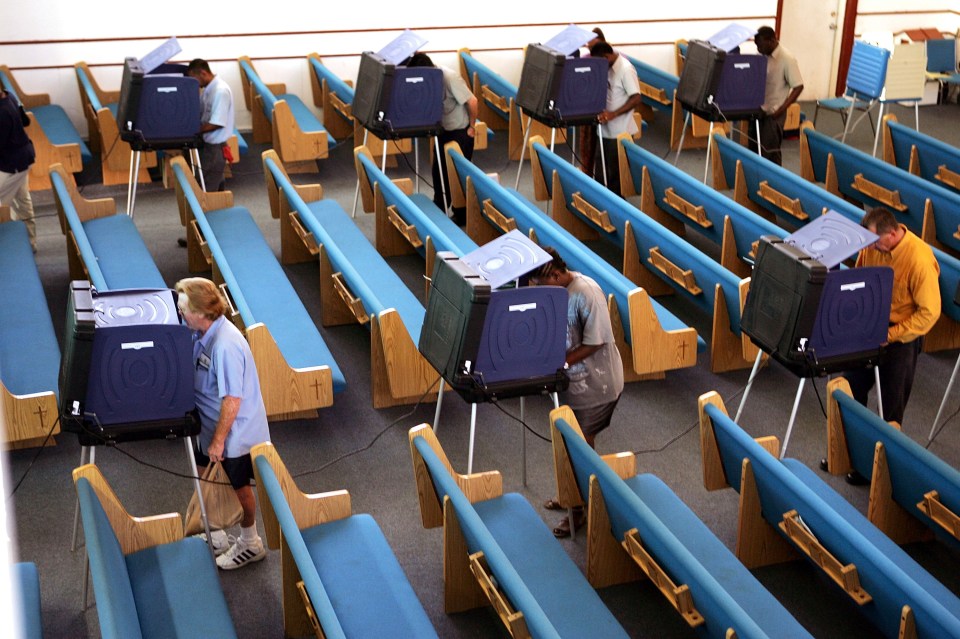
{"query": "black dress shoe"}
{"type": "Point", "coordinates": [182, 242]}
{"type": "Point", "coordinates": [823, 465]}
{"type": "Point", "coordinates": [856, 479]}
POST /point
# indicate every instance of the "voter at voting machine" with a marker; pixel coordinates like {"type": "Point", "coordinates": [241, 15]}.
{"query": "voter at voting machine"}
{"type": "Point", "coordinates": [459, 114]}
{"type": "Point", "coordinates": [784, 85]}
{"type": "Point", "coordinates": [623, 96]}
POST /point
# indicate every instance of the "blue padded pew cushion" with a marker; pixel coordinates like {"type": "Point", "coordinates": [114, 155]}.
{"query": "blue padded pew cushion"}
{"type": "Point", "coordinates": [507, 519]}
{"type": "Point", "coordinates": [931, 152]}
{"type": "Point", "coordinates": [27, 582]}
{"type": "Point", "coordinates": [544, 566]}
{"type": "Point", "coordinates": [366, 585]}
{"type": "Point", "coordinates": [723, 590]}
{"type": "Point", "coordinates": [756, 169]}
{"type": "Point", "coordinates": [940, 599]}
{"type": "Point", "coordinates": [914, 470]}
{"type": "Point", "coordinates": [59, 129]}
{"type": "Point", "coordinates": [29, 354]}
{"type": "Point", "coordinates": [757, 602]}
{"type": "Point", "coordinates": [177, 591]}
{"type": "Point", "coordinates": [386, 289]}
{"type": "Point", "coordinates": [122, 254]}
{"type": "Point", "coordinates": [488, 77]}
{"type": "Point", "coordinates": [116, 606]}
{"type": "Point", "coordinates": [427, 217]}
{"type": "Point", "coordinates": [269, 296]}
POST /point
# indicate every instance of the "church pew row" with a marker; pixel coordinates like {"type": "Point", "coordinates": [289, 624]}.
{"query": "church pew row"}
{"type": "Point", "coordinates": [653, 256]}
{"type": "Point", "coordinates": [678, 201]}
{"type": "Point", "coordinates": [930, 211]}
{"type": "Point", "coordinates": [334, 96]}
{"type": "Point", "coordinates": [406, 222]}
{"type": "Point", "coordinates": [283, 119]}
{"type": "Point", "coordinates": [651, 340]}
{"type": "Point", "coordinates": [148, 579]}
{"type": "Point", "coordinates": [498, 551]}
{"type": "Point", "coordinates": [340, 578]}
{"type": "Point", "coordinates": [100, 109]}
{"type": "Point", "coordinates": [356, 286]}
{"type": "Point", "coordinates": [29, 353]}
{"type": "Point", "coordinates": [638, 526]}
{"type": "Point", "coordinates": [786, 509]}
{"type": "Point", "coordinates": [911, 489]}
{"type": "Point", "coordinates": [298, 374]}
{"type": "Point", "coordinates": [55, 139]}
{"type": "Point", "coordinates": [103, 246]}
{"type": "Point", "coordinates": [921, 154]}
{"type": "Point", "coordinates": [497, 106]}
{"type": "Point", "coordinates": [26, 580]}
{"type": "Point", "coordinates": [768, 189]}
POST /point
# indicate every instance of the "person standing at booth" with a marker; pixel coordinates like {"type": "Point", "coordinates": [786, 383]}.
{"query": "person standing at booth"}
{"type": "Point", "coordinates": [216, 123]}
{"type": "Point", "coordinates": [16, 156]}
{"type": "Point", "coordinates": [460, 109]}
{"type": "Point", "coordinates": [232, 415]}
{"type": "Point", "coordinates": [784, 85]}
{"type": "Point", "coordinates": [623, 96]}
{"type": "Point", "coordinates": [593, 361]}
{"type": "Point", "coordinates": [914, 309]}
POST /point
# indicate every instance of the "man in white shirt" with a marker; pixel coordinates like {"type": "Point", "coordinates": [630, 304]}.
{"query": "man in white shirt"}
{"type": "Point", "coordinates": [784, 85]}
{"type": "Point", "coordinates": [217, 123]}
{"type": "Point", "coordinates": [623, 96]}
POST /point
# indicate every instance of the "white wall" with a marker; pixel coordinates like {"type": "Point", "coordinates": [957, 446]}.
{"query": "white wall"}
{"type": "Point", "coordinates": [41, 40]}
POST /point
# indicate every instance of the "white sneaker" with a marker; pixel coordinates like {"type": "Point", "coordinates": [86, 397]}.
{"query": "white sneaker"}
{"type": "Point", "coordinates": [241, 554]}
{"type": "Point", "coordinates": [221, 541]}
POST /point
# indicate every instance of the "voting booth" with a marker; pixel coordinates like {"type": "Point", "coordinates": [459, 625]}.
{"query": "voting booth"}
{"type": "Point", "coordinates": [158, 108]}
{"type": "Point", "coordinates": [127, 370]}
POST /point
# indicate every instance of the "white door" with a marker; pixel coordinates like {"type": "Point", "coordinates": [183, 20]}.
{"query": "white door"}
{"type": "Point", "coordinates": [811, 30]}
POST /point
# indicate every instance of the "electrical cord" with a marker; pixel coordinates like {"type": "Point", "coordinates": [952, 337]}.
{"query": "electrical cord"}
{"type": "Point", "coordinates": [941, 427]}
{"type": "Point", "coordinates": [36, 455]}
{"type": "Point", "coordinates": [375, 439]}
{"type": "Point", "coordinates": [696, 423]}
{"type": "Point", "coordinates": [517, 419]}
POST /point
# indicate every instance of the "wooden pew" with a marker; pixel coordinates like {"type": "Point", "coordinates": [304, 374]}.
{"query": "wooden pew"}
{"type": "Point", "coordinates": [637, 526]}
{"type": "Point", "coordinates": [654, 257]}
{"type": "Point", "coordinates": [786, 510]}
{"type": "Point", "coordinates": [357, 286]}
{"type": "Point", "coordinates": [920, 154]}
{"type": "Point", "coordinates": [297, 372]}
{"type": "Point", "coordinates": [912, 491]}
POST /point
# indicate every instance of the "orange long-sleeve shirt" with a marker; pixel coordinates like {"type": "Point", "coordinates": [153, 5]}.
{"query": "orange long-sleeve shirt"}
{"type": "Point", "coordinates": [915, 305]}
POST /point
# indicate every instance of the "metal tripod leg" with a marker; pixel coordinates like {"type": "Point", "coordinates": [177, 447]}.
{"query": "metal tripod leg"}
{"type": "Point", "coordinates": [683, 135]}
{"type": "Point", "coordinates": [706, 166]}
{"type": "Point", "coordinates": [443, 185]}
{"type": "Point", "coordinates": [876, 379]}
{"type": "Point", "coordinates": [132, 182]}
{"type": "Point", "coordinates": [603, 167]}
{"type": "Point", "coordinates": [793, 417]}
{"type": "Point", "coordinates": [196, 485]}
{"type": "Point", "coordinates": [473, 432]}
{"type": "Point", "coordinates": [943, 402]}
{"type": "Point", "coordinates": [746, 391]}
{"type": "Point", "coordinates": [436, 415]}
{"type": "Point", "coordinates": [523, 149]}
{"type": "Point", "coordinates": [356, 193]}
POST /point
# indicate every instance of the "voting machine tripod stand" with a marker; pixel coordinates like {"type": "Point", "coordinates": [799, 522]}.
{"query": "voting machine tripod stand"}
{"type": "Point", "coordinates": [416, 162]}
{"type": "Point", "coordinates": [706, 165]}
{"type": "Point", "coordinates": [88, 456]}
{"type": "Point", "coordinates": [553, 140]}
{"type": "Point", "coordinates": [473, 427]}
{"type": "Point", "coordinates": [796, 400]}
{"type": "Point", "coordinates": [192, 150]}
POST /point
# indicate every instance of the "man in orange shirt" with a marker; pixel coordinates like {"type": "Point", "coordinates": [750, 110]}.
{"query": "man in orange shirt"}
{"type": "Point", "coordinates": [914, 309]}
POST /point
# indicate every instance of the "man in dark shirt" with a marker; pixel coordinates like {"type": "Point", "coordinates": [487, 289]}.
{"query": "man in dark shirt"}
{"type": "Point", "coordinates": [16, 156]}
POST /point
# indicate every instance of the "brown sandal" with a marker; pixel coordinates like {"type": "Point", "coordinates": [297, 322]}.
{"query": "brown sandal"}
{"type": "Point", "coordinates": [553, 504]}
